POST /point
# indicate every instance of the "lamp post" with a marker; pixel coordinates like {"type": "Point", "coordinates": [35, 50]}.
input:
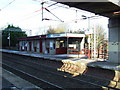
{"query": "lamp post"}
{"type": "Point", "coordinates": [89, 48]}
{"type": "Point", "coordinates": [85, 17]}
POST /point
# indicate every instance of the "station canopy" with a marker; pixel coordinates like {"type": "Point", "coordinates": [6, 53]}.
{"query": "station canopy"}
{"type": "Point", "coordinates": [56, 35]}
{"type": "Point", "coordinates": [107, 8]}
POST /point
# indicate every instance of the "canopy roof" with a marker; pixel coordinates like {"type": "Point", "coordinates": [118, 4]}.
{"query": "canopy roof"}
{"type": "Point", "coordinates": [108, 9]}
{"type": "Point", "coordinates": [57, 35]}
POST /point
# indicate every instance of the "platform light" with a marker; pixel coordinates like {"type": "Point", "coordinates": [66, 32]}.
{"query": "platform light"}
{"type": "Point", "coordinates": [61, 41]}
{"type": "Point", "coordinates": [118, 12]}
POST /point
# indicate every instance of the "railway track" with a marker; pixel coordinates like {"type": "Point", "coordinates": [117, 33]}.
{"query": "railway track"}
{"type": "Point", "coordinates": [51, 71]}
{"type": "Point", "coordinates": [42, 83]}
{"type": "Point", "coordinates": [52, 77]}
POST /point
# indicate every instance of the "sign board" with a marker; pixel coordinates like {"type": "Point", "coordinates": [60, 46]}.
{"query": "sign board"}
{"type": "Point", "coordinates": [51, 44]}
{"type": "Point", "coordinates": [65, 35]}
{"type": "Point", "coordinates": [56, 35]}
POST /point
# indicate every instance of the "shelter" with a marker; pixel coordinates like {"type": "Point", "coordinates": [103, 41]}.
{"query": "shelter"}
{"type": "Point", "coordinates": [52, 43]}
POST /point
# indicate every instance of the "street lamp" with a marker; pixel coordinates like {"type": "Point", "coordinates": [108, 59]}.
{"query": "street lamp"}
{"type": "Point", "coordinates": [85, 17]}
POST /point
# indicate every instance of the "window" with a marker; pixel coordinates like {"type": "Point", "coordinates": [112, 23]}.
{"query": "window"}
{"type": "Point", "coordinates": [60, 44]}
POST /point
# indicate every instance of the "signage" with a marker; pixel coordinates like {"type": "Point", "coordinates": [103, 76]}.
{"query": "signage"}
{"type": "Point", "coordinates": [57, 35]}
{"type": "Point", "coordinates": [65, 35]}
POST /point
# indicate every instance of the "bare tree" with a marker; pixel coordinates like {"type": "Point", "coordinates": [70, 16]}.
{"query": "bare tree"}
{"type": "Point", "coordinates": [98, 41]}
{"type": "Point", "coordinates": [50, 30]}
{"type": "Point", "coordinates": [100, 35]}
{"type": "Point", "coordinates": [60, 29]}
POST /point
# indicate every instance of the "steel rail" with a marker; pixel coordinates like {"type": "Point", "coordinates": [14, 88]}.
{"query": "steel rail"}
{"type": "Point", "coordinates": [67, 77]}
{"type": "Point", "coordinates": [49, 84]}
{"type": "Point", "coordinates": [31, 61]}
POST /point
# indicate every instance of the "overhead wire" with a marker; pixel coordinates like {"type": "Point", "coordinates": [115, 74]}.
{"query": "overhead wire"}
{"type": "Point", "coordinates": [55, 3]}
{"type": "Point", "coordinates": [7, 5]}
{"type": "Point", "coordinates": [35, 12]}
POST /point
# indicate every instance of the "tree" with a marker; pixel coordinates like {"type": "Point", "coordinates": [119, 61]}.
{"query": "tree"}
{"type": "Point", "coordinates": [59, 29]}
{"type": "Point", "coordinates": [56, 30]}
{"type": "Point", "coordinates": [78, 31]}
{"type": "Point", "coordinates": [100, 35]}
{"type": "Point", "coordinates": [98, 39]}
{"type": "Point", "coordinates": [50, 31]}
{"type": "Point", "coordinates": [12, 33]}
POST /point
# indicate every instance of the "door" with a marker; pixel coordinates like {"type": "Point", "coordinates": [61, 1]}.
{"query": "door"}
{"type": "Point", "coordinates": [52, 47]}
{"type": "Point", "coordinates": [30, 46]}
{"type": "Point", "coordinates": [40, 46]}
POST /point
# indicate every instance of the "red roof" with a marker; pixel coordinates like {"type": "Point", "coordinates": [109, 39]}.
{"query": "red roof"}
{"type": "Point", "coordinates": [52, 36]}
{"type": "Point", "coordinates": [30, 38]}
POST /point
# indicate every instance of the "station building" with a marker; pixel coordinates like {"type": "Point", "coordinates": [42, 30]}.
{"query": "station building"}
{"type": "Point", "coordinates": [52, 44]}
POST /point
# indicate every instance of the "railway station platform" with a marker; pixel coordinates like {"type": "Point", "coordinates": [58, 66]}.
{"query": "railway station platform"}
{"type": "Point", "coordinates": [11, 81]}
{"type": "Point", "coordinates": [82, 65]}
{"type": "Point", "coordinates": [70, 57]}
{"type": "Point", "coordinates": [6, 84]}
{"type": "Point", "coordinates": [56, 57]}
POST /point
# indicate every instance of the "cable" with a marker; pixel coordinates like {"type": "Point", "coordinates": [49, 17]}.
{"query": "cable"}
{"type": "Point", "coordinates": [35, 12]}
{"type": "Point", "coordinates": [38, 11]}
{"type": "Point", "coordinates": [43, 8]}
{"type": "Point", "coordinates": [7, 5]}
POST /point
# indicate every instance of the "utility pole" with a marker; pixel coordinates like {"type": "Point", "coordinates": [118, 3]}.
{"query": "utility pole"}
{"type": "Point", "coordinates": [30, 32]}
{"type": "Point", "coordinates": [42, 10]}
{"type": "Point", "coordinates": [49, 12]}
{"type": "Point", "coordinates": [89, 43]}
{"type": "Point", "coordinates": [89, 39]}
{"type": "Point", "coordinates": [94, 43]}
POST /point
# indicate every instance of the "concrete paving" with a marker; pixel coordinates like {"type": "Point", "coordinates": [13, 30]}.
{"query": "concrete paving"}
{"type": "Point", "coordinates": [58, 57]}
{"type": "Point", "coordinates": [71, 58]}
{"type": "Point", "coordinates": [7, 85]}
{"type": "Point", "coordinates": [10, 80]}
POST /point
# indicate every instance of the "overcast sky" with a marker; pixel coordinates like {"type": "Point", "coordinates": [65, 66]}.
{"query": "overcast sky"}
{"type": "Point", "coordinates": [27, 15]}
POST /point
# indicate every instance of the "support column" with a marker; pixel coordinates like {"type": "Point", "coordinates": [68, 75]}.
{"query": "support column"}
{"type": "Point", "coordinates": [82, 43]}
{"type": "Point", "coordinates": [114, 40]}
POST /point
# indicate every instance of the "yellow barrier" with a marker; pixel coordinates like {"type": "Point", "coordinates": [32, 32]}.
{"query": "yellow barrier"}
{"type": "Point", "coordinates": [73, 67]}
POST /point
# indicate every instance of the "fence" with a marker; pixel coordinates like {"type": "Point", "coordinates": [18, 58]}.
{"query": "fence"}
{"type": "Point", "coordinates": [102, 52]}
{"type": "Point", "coordinates": [84, 51]}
